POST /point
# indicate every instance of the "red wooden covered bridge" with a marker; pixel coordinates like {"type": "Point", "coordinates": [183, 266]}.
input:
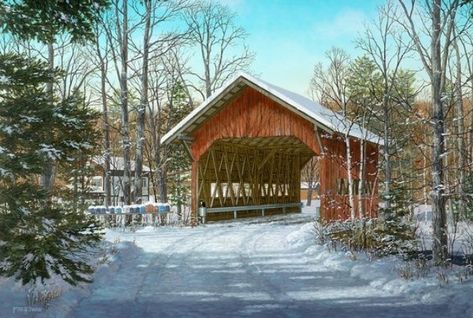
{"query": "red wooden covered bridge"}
{"type": "Point", "coordinates": [249, 142]}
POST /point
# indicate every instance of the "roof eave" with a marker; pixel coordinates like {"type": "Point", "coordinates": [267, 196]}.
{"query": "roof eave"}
{"type": "Point", "coordinates": [208, 104]}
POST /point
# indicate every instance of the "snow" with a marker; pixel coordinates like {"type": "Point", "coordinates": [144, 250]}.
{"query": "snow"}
{"type": "Point", "coordinates": [9, 130]}
{"type": "Point", "coordinates": [29, 119]}
{"type": "Point", "coordinates": [78, 146]}
{"type": "Point", "coordinates": [460, 233]}
{"type": "Point", "coordinates": [51, 152]}
{"type": "Point", "coordinates": [4, 80]}
{"type": "Point", "coordinates": [264, 267]}
{"type": "Point", "coordinates": [68, 121]}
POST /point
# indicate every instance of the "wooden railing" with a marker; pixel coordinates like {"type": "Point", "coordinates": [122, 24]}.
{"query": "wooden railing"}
{"type": "Point", "coordinates": [263, 208]}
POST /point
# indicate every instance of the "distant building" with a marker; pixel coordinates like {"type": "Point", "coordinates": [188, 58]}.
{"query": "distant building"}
{"type": "Point", "coordinates": [116, 172]}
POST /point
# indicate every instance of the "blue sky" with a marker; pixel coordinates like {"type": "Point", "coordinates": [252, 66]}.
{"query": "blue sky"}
{"type": "Point", "coordinates": [290, 36]}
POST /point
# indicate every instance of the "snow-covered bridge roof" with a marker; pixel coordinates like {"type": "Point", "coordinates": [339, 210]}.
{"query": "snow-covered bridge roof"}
{"type": "Point", "coordinates": [319, 115]}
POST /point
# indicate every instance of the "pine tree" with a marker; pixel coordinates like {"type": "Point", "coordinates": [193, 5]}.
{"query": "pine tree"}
{"type": "Point", "coordinates": [41, 235]}
{"type": "Point", "coordinates": [178, 165]}
{"type": "Point", "coordinates": [365, 86]}
{"type": "Point", "coordinates": [44, 19]}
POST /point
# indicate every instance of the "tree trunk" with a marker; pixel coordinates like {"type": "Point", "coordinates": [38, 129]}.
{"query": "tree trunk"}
{"type": "Point", "coordinates": [208, 86]}
{"type": "Point", "coordinates": [460, 131]}
{"type": "Point", "coordinates": [124, 106]}
{"type": "Point", "coordinates": [424, 179]}
{"type": "Point", "coordinates": [471, 121]}
{"type": "Point", "coordinates": [361, 184]}
{"type": "Point", "coordinates": [310, 190]}
{"type": "Point", "coordinates": [350, 178]}
{"type": "Point", "coordinates": [163, 191]}
{"type": "Point", "coordinates": [107, 187]}
{"type": "Point", "coordinates": [387, 157]}
{"type": "Point", "coordinates": [178, 195]}
{"type": "Point", "coordinates": [140, 133]}
{"type": "Point", "coordinates": [48, 174]}
{"type": "Point", "coordinates": [438, 188]}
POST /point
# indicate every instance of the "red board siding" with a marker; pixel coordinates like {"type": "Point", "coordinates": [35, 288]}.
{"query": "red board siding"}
{"type": "Point", "coordinates": [333, 166]}
{"type": "Point", "coordinates": [252, 114]}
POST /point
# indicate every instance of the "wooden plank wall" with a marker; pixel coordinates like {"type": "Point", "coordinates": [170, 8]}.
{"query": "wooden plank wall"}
{"type": "Point", "coordinates": [333, 167]}
{"type": "Point", "coordinates": [252, 114]}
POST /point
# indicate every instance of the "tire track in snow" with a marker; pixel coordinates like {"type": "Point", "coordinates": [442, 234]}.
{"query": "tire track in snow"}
{"type": "Point", "coordinates": [132, 260]}
{"type": "Point", "coordinates": [162, 261]}
{"type": "Point", "coordinates": [255, 273]}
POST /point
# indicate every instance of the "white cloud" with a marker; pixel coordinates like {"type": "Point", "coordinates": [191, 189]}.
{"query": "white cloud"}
{"type": "Point", "coordinates": [347, 23]}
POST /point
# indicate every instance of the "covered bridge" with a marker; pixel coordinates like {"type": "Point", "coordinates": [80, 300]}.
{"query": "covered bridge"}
{"type": "Point", "coordinates": [249, 142]}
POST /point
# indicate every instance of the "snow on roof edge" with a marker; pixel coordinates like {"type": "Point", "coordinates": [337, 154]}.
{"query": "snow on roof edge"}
{"type": "Point", "coordinates": [300, 103]}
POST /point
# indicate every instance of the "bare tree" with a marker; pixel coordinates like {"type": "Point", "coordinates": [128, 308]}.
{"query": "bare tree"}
{"type": "Point", "coordinates": [466, 42]}
{"type": "Point", "coordinates": [102, 61]}
{"type": "Point", "coordinates": [459, 124]}
{"type": "Point", "coordinates": [383, 43]}
{"type": "Point", "coordinates": [213, 31]}
{"type": "Point", "coordinates": [330, 87]}
{"type": "Point", "coordinates": [117, 34]}
{"type": "Point", "coordinates": [140, 133]}
{"type": "Point", "coordinates": [155, 14]}
{"type": "Point", "coordinates": [167, 72]}
{"type": "Point", "coordinates": [441, 15]}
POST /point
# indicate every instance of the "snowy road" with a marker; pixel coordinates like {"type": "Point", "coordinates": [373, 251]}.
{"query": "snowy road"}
{"type": "Point", "coordinates": [234, 270]}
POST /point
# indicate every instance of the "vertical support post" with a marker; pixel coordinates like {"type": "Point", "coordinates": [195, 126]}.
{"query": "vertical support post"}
{"type": "Point", "coordinates": [328, 179]}
{"type": "Point", "coordinates": [194, 192]}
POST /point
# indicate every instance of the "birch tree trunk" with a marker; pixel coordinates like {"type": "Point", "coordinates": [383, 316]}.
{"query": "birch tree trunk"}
{"type": "Point", "coordinates": [387, 157]}
{"type": "Point", "coordinates": [460, 129]}
{"type": "Point", "coordinates": [350, 178]}
{"type": "Point", "coordinates": [361, 184]}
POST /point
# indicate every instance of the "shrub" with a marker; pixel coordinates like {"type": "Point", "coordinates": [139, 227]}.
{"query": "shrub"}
{"type": "Point", "coordinates": [369, 235]}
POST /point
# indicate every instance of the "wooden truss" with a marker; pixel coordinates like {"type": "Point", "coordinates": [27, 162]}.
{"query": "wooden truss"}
{"type": "Point", "coordinates": [251, 171]}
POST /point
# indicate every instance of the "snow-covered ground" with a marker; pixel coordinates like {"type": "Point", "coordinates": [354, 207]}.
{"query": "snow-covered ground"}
{"type": "Point", "coordinates": [460, 238]}
{"type": "Point", "coordinates": [250, 268]}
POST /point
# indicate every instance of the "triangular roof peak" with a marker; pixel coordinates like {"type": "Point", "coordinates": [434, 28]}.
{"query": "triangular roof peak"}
{"type": "Point", "coordinates": [319, 115]}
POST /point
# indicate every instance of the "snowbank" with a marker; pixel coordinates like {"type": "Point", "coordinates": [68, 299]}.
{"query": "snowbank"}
{"type": "Point", "coordinates": [421, 282]}
{"type": "Point", "coordinates": [116, 253]}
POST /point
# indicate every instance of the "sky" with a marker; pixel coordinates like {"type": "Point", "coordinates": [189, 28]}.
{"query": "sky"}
{"type": "Point", "coordinates": [290, 36]}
